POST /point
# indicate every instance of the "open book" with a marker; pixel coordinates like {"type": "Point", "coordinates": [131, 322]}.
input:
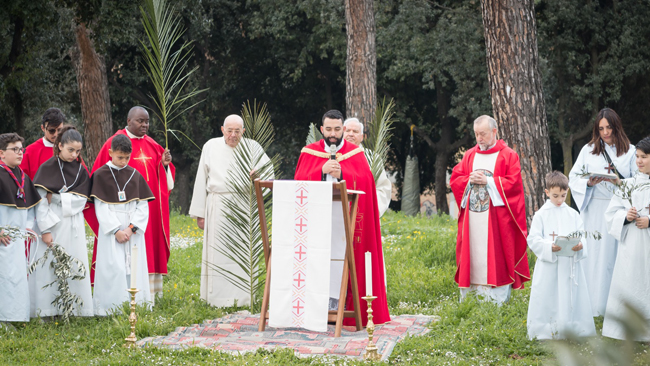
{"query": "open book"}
{"type": "Point", "coordinates": [602, 175]}
{"type": "Point", "coordinates": [566, 244]}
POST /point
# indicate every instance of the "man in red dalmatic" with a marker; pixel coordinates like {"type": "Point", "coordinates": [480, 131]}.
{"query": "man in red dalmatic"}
{"type": "Point", "coordinates": [43, 149]}
{"type": "Point", "coordinates": [154, 163]}
{"type": "Point", "coordinates": [315, 164]}
{"type": "Point", "coordinates": [491, 243]}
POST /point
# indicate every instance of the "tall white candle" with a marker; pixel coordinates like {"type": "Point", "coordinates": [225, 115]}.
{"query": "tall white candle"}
{"type": "Point", "coordinates": [368, 274]}
{"type": "Point", "coordinates": [134, 265]}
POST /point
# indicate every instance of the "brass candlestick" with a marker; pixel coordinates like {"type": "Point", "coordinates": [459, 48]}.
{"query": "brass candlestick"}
{"type": "Point", "coordinates": [371, 348]}
{"type": "Point", "coordinates": [133, 318]}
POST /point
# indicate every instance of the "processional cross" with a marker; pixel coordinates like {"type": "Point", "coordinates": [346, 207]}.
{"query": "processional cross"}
{"type": "Point", "coordinates": [143, 159]}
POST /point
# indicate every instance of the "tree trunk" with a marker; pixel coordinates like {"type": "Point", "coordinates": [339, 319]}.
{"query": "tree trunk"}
{"type": "Point", "coordinates": [93, 92]}
{"type": "Point", "coordinates": [361, 63]}
{"type": "Point", "coordinates": [516, 90]}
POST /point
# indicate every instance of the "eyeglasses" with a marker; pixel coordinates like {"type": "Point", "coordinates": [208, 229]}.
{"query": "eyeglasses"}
{"type": "Point", "coordinates": [17, 150]}
{"type": "Point", "coordinates": [52, 131]}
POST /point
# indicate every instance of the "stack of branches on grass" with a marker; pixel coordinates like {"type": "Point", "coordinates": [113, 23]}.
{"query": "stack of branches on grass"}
{"type": "Point", "coordinates": [241, 234]}
{"type": "Point", "coordinates": [166, 62]}
{"type": "Point", "coordinates": [66, 268]}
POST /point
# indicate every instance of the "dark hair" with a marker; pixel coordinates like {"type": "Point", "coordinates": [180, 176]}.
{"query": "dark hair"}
{"type": "Point", "coordinates": [621, 141]}
{"type": "Point", "coordinates": [557, 179]}
{"type": "Point", "coordinates": [67, 134]}
{"type": "Point", "coordinates": [7, 138]}
{"type": "Point", "coordinates": [53, 117]}
{"type": "Point", "coordinates": [333, 114]}
{"type": "Point", "coordinates": [121, 143]}
{"type": "Point", "coordinates": [644, 145]}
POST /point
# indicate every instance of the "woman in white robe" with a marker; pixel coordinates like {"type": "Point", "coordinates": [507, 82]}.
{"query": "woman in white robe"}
{"type": "Point", "coordinates": [114, 260]}
{"type": "Point", "coordinates": [559, 301]}
{"type": "Point", "coordinates": [592, 196]}
{"type": "Point", "coordinates": [631, 278]}
{"type": "Point", "coordinates": [64, 185]}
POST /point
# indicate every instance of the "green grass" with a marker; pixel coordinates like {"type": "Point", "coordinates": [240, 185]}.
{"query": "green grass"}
{"type": "Point", "coordinates": [420, 264]}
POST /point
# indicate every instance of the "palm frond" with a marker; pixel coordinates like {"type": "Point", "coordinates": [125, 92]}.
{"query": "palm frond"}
{"type": "Point", "coordinates": [313, 135]}
{"type": "Point", "coordinates": [166, 62]}
{"type": "Point", "coordinates": [241, 235]}
{"type": "Point", "coordinates": [379, 134]}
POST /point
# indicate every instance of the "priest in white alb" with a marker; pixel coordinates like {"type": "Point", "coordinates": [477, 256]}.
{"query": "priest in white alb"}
{"type": "Point", "coordinates": [491, 244]}
{"type": "Point", "coordinates": [210, 190]}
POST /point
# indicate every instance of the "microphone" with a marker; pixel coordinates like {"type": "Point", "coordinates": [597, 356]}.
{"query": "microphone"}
{"type": "Point", "coordinates": [332, 152]}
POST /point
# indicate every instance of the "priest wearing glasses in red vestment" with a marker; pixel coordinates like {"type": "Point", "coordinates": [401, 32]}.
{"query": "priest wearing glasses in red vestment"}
{"type": "Point", "coordinates": [491, 244]}
{"type": "Point", "coordinates": [154, 163]}
{"type": "Point", "coordinates": [315, 164]}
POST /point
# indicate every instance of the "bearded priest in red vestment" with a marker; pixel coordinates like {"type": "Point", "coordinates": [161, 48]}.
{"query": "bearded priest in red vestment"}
{"type": "Point", "coordinates": [43, 149]}
{"type": "Point", "coordinates": [154, 163]}
{"type": "Point", "coordinates": [491, 243]}
{"type": "Point", "coordinates": [351, 165]}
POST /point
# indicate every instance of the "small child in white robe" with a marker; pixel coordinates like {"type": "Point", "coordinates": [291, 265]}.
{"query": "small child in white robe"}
{"type": "Point", "coordinates": [64, 184]}
{"type": "Point", "coordinates": [18, 197]}
{"type": "Point", "coordinates": [559, 299]}
{"type": "Point", "coordinates": [120, 194]}
{"type": "Point", "coordinates": [628, 223]}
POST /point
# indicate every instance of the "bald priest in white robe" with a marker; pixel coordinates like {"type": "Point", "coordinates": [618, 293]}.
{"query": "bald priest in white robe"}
{"type": "Point", "coordinates": [354, 134]}
{"type": "Point", "coordinates": [210, 190]}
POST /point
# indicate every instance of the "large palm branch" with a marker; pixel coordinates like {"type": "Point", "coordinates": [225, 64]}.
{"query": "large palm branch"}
{"type": "Point", "coordinates": [376, 143]}
{"type": "Point", "coordinates": [241, 235]}
{"type": "Point", "coordinates": [166, 61]}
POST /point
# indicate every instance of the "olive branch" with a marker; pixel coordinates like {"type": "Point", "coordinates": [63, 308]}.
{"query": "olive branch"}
{"type": "Point", "coordinates": [63, 265]}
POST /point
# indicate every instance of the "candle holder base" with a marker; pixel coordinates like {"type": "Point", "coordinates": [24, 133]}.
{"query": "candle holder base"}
{"type": "Point", "coordinates": [133, 318]}
{"type": "Point", "coordinates": [371, 349]}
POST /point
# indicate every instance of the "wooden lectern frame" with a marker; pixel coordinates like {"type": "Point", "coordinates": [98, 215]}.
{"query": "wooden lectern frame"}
{"type": "Point", "coordinates": [340, 193]}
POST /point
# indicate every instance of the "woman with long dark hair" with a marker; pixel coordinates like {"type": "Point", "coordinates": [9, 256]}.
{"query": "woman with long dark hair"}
{"type": "Point", "coordinates": [609, 151]}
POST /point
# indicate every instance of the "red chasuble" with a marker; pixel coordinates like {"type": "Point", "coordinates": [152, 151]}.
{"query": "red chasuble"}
{"type": "Point", "coordinates": [507, 263]}
{"type": "Point", "coordinates": [146, 158]}
{"type": "Point", "coordinates": [35, 155]}
{"type": "Point", "coordinates": [367, 234]}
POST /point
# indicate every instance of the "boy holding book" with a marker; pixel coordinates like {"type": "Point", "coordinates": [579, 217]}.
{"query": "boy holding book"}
{"type": "Point", "coordinates": [559, 299]}
{"type": "Point", "coordinates": [18, 197]}
{"type": "Point", "coordinates": [121, 198]}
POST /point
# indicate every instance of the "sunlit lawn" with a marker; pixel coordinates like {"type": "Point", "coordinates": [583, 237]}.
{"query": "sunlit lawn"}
{"type": "Point", "coordinates": [420, 261]}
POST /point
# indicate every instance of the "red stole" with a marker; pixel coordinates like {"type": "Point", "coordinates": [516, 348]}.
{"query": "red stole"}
{"type": "Point", "coordinates": [507, 259]}
{"type": "Point", "coordinates": [146, 158]}
{"type": "Point", "coordinates": [367, 234]}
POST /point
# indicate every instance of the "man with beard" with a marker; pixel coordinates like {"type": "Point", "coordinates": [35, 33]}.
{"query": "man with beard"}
{"type": "Point", "coordinates": [332, 159]}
